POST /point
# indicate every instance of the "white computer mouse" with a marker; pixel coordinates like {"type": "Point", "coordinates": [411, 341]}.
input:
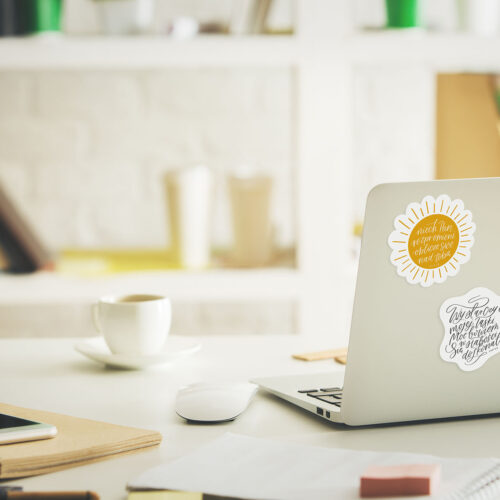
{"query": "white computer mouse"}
{"type": "Point", "coordinates": [213, 402]}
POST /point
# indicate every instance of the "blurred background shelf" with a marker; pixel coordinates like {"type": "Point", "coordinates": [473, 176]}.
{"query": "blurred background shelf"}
{"type": "Point", "coordinates": [444, 52]}
{"type": "Point", "coordinates": [91, 123]}
{"type": "Point", "coordinates": [140, 52]}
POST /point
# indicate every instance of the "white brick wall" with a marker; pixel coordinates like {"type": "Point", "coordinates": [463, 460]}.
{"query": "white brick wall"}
{"type": "Point", "coordinates": [87, 141]}
{"type": "Point", "coordinates": [31, 139]}
{"type": "Point", "coordinates": [16, 92]}
{"type": "Point", "coordinates": [394, 112]}
{"type": "Point", "coordinates": [85, 152]}
{"type": "Point", "coordinates": [97, 96]}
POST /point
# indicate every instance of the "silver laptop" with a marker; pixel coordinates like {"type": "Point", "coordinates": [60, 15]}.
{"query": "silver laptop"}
{"type": "Point", "coordinates": [425, 331]}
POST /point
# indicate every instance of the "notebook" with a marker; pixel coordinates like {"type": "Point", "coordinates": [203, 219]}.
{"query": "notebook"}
{"type": "Point", "coordinates": [79, 441]}
{"type": "Point", "coordinates": [260, 469]}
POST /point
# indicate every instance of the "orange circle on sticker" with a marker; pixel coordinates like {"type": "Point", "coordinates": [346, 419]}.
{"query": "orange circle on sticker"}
{"type": "Point", "coordinates": [433, 241]}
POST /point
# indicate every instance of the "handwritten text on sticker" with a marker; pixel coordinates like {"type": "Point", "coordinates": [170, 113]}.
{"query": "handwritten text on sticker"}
{"type": "Point", "coordinates": [471, 328]}
{"type": "Point", "coordinates": [431, 240]}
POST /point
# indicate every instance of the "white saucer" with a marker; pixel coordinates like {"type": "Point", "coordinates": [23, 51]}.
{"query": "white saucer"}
{"type": "Point", "coordinates": [175, 348]}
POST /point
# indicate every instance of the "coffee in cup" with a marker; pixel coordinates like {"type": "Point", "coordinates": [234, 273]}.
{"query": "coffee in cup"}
{"type": "Point", "coordinates": [133, 324]}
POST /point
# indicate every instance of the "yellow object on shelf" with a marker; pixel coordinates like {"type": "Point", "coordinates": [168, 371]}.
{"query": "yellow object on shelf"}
{"type": "Point", "coordinates": [164, 495]}
{"type": "Point", "coordinates": [105, 261]}
{"type": "Point", "coordinates": [357, 229]}
{"type": "Point", "coordinates": [108, 261]}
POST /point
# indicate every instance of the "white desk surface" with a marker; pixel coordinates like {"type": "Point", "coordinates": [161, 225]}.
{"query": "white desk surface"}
{"type": "Point", "coordinates": [48, 374]}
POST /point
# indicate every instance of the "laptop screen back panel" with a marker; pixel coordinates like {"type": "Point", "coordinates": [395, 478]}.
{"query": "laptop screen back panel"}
{"type": "Point", "coordinates": [395, 372]}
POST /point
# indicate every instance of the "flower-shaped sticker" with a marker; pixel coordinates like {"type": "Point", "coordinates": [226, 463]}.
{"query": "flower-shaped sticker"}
{"type": "Point", "coordinates": [431, 240]}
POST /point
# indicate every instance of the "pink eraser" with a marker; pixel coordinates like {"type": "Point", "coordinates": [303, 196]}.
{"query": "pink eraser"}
{"type": "Point", "coordinates": [400, 480]}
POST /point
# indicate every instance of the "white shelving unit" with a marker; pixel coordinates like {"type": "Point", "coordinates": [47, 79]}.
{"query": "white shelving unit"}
{"type": "Point", "coordinates": [325, 51]}
{"type": "Point", "coordinates": [137, 53]}
{"type": "Point", "coordinates": [143, 52]}
{"type": "Point", "coordinates": [439, 52]}
{"type": "Point", "coordinates": [444, 52]}
{"type": "Point", "coordinates": [322, 281]}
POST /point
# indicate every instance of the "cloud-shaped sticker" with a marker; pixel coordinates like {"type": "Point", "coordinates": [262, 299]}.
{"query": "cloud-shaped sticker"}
{"type": "Point", "coordinates": [471, 328]}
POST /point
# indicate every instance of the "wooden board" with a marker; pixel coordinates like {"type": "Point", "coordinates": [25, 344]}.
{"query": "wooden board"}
{"type": "Point", "coordinates": [319, 355]}
{"type": "Point", "coordinates": [467, 138]}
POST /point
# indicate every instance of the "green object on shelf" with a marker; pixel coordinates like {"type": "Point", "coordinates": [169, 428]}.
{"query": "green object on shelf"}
{"type": "Point", "coordinates": [402, 13]}
{"type": "Point", "coordinates": [497, 99]}
{"type": "Point", "coordinates": [46, 15]}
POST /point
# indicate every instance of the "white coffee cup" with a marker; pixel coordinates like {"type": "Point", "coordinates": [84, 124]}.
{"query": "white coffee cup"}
{"type": "Point", "coordinates": [133, 324]}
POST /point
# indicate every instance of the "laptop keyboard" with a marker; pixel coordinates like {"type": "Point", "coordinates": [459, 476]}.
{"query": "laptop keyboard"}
{"type": "Point", "coordinates": [332, 395]}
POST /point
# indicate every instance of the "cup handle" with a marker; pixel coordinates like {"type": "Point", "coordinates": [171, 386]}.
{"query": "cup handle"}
{"type": "Point", "coordinates": [95, 317]}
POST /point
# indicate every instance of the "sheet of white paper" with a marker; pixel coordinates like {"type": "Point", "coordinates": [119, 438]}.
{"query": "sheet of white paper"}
{"type": "Point", "coordinates": [260, 469]}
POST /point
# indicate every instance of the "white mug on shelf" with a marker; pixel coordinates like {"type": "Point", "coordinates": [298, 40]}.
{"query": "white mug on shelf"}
{"type": "Point", "coordinates": [133, 324]}
{"type": "Point", "coordinates": [125, 17]}
{"type": "Point", "coordinates": [189, 196]}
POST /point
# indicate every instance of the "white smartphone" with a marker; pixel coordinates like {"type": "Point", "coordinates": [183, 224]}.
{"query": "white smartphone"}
{"type": "Point", "coordinates": [15, 429]}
